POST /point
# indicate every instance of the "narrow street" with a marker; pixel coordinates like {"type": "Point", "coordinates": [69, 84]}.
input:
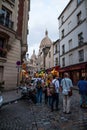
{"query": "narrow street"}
{"type": "Point", "coordinates": [24, 115]}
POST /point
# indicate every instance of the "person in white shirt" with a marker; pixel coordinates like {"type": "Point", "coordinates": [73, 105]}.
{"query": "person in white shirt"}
{"type": "Point", "coordinates": [55, 96]}
{"type": "Point", "coordinates": [66, 85]}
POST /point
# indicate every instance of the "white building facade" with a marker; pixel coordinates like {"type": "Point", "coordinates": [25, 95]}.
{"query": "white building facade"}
{"type": "Point", "coordinates": [73, 39]}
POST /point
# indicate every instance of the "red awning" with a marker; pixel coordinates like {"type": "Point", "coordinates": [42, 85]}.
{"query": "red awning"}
{"type": "Point", "coordinates": [73, 67]}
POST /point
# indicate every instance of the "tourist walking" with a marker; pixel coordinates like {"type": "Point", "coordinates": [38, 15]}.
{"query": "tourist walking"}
{"type": "Point", "coordinates": [39, 89]}
{"type": "Point", "coordinates": [82, 85]}
{"type": "Point", "coordinates": [55, 95]}
{"type": "Point", "coordinates": [66, 85]}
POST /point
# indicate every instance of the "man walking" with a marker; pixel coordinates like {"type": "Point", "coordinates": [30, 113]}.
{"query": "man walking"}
{"type": "Point", "coordinates": [55, 96]}
{"type": "Point", "coordinates": [39, 85]}
{"type": "Point", "coordinates": [66, 85]}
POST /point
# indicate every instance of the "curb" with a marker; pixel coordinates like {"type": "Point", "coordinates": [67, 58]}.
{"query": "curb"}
{"type": "Point", "coordinates": [12, 101]}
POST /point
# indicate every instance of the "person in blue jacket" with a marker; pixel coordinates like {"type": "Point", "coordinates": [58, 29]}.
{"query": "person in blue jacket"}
{"type": "Point", "coordinates": [82, 85]}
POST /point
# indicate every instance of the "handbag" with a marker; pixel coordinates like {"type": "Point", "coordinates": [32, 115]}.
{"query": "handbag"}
{"type": "Point", "coordinates": [70, 93]}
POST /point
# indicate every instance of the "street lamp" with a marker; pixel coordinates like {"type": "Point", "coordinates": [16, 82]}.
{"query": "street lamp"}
{"type": "Point", "coordinates": [18, 63]}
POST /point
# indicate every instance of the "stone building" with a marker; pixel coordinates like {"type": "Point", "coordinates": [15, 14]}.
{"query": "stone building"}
{"type": "Point", "coordinates": [44, 48]}
{"type": "Point", "coordinates": [13, 39]}
{"type": "Point", "coordinates": [32, 64]}
{"type": "Point", "coordinates": [73, 39]}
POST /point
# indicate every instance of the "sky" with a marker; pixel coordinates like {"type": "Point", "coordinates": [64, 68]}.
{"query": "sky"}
{"type": "Point", "coordinates": [43, 16]}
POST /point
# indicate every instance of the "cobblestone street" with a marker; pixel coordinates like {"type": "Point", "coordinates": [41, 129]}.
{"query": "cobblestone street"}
{"type": "Point", "coordinates": [24, 115]}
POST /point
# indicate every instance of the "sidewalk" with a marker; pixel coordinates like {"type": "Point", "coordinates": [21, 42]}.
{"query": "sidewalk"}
{"type": "Point", "coordinates": [11, 96]}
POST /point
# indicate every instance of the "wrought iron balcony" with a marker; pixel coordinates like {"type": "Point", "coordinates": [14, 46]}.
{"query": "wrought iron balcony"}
{"type": "Point", "coordinates": [6, 22]}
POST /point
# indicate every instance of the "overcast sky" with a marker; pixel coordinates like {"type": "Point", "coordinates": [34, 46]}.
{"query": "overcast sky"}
{"type": "Point", "coordinates": [43, 15]}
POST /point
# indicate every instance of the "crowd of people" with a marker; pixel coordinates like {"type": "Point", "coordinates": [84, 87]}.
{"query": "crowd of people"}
{"type": "Point", "coordinates": [50, 89]}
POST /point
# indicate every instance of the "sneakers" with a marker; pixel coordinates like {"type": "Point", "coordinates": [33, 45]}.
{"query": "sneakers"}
{"type": "Point", "coordinates": [67, 112]}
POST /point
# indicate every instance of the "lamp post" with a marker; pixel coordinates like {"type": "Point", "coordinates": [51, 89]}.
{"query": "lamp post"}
{"type": "Point", "coordinates": [18, 63]}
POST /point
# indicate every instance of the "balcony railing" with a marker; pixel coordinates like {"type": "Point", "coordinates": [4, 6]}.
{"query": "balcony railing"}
{"type": "Point", "coordinates": [6, 22]}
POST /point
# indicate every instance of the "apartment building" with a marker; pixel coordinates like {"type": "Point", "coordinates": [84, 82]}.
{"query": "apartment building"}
{"type": "Point", "coordinates": [56, 53]}
{"type": "Point", "coordinates": [73, 39]}
{"type": "Point", "coordinates": [49, 59]}
{"type": "Point", "coordinates": [13, 39]}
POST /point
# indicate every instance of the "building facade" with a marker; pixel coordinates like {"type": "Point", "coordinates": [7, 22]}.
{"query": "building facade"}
{"type": "Point", "coordinates": [13, 39]}
{"type": "Point", "coordinates": [73, 39]}
{"type": "Point", "coordinates": [32, 65]}
{"type": "Point", "coordinates": [49, 58]}
{"type": "Point", "coordinates": [56, 53]}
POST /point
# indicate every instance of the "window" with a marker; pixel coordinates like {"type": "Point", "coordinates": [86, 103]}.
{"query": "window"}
{"type": "Point", "coordinates": [70, 44]}
{"type": "Point", "coordinates": [56, 61]}
{"type": "Point", "coordinates": [2, 41]}
{"type": "Point", "coordinates": [69, 25]}
{"type": "Point", "coordinates": [13, 0]}
{"type": "Point", "coordinates": [5, 17]}
{"type": "Point", "coordinates": [79, 15]}
{"type": "Point", "coordinates": [1, 73]}
{"type": "Point", "coordinates": [70, 59]}
{"type": "Point", "coordinates": [63, 62]}
{"type": "Point", "coordinates": [62, 19]}
{"type": "Point", "coordinates": [63, 49]}
{"type": "Point", "coordinates": [63, 33]}
{"type": "Point", "coordinates": [80, 39]}
{"type": "Point", "coordinates": [56, 49]}
{"type": "Point", "coordinates": [78, 1]}
{"type": "Point", "coordinates": [81, 55]}
{"type": "Point", "coordinates": [49, 54]}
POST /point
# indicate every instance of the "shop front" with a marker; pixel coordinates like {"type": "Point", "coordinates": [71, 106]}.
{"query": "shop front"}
{"type": "Point", "coordinates": [75, 71]}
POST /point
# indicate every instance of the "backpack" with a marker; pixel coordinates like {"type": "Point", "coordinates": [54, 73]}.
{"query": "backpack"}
{"type": "Point", "coordinates": [52, 88]}
{"type": "Point", "coordinates": [39, 83]}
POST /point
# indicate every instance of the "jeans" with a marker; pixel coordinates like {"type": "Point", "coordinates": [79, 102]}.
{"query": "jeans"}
{"type": "Point", "coordinates": [55, 98]}
{"type": "Point", "coordinates": [39, 95]}
{"type": "Point", "coordinates": [49, 100]}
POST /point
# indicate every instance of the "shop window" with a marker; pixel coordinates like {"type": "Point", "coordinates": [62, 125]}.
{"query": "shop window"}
{"type": "Point", "coordinates": [81, 55]}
